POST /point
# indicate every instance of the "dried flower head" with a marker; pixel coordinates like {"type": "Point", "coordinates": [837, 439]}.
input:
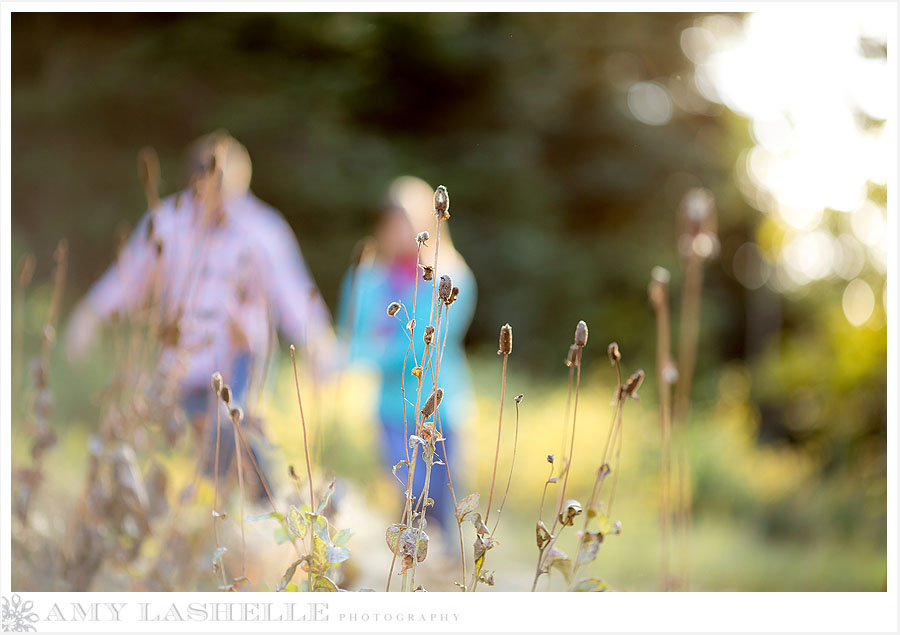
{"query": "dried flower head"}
{"type": "Point", "coordinates": [225, 394]}
{"type": "Point", "coordinates": [393, 308]}
{"type": "Point", "coordinates": [659, 282]}
{"type": "Point", "coordinates": [217, 382]}
{"type": "Point", "coordinates": [634, 382]}
{"type": "Point", "coordinates": [445, 287]}
{"type": "Point", "coordinates": [434, 400]}
{"type": "Point", "coordinates": [441, 202]}
{"type": "Point", "coordinates": [569, 512]}
{"type": "Point", "coordinates": [505, 340]}
{"type": "Point", "coordinates": [614, 354]}
{"type": "Point", "coordinates": [551, 458]}
{"type": "Point", "coordinates": [670, 372]}
{"type": "Point", "coordinates": [519, 398]}
{"type": "Point", "coordinates": [428, 335]}
{"type": "Point", "coordinates": [237, 415]}
{"type": "Point", "coordinates": [422, 238]}
{"type": "Point", "coordinates": [417, 371]}
{"type": "Point", "coordinates": [454, 293]}
{"type": "Point", "coordinates": [572, 356]}
{"type": "Point", "coordinates": [427, 272]}
{"type": "Point", "coordinates": [581, 334]}
{"type": "Point", "coordinates": [411, 325]}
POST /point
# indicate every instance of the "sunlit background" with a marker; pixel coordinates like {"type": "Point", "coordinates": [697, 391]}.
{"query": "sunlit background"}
{"type": "Point", "coordinates": [569, 144]}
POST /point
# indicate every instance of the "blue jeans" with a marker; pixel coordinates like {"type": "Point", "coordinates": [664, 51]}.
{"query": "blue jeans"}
{"type": "Point", "coordinates": [200, 401]}
{"type": "Point", "coordinates": [443, 512]}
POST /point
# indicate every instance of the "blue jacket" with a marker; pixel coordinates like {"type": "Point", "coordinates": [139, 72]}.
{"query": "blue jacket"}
{"type": "Point", "coordinates": [381, 341]}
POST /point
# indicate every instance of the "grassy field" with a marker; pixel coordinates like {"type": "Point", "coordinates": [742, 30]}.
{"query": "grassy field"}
{"type": "Point", "coordinates": [761, 522]}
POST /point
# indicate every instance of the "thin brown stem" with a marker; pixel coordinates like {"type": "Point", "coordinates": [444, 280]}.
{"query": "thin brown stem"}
{"type": "Point", "coordinates": [312, 504]}
{"type": "Point", "coordinates": [240, 471]}
{"type": "Point", "coordinates": [512, 466]}
{"type": "Point", "coordinates": [487, 513]}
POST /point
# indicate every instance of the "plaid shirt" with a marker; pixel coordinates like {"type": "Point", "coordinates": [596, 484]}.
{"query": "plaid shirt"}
{"type": "Point", "coordinates": [225, 285]}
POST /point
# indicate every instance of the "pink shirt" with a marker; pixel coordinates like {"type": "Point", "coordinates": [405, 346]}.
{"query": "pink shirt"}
{"type": "Point", "coordinates": [232, 283]}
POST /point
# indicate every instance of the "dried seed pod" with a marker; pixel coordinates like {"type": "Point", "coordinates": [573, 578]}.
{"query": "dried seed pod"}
{"type": "Point", "coordinates": [411, 325]}
{"type": "Point", "coordinates": [237, 415]}
{"type": "Point", "coordinates": [393, 308]}
{"type": "Point", "coordinates": [428, 335]}
{"type": "Point", "coordinates": [217, 382]}
{"type": "Point", "coordinates": [519, 398]}
{"type": "Point", "coordinates": [569, 512]}
{"type": "Point", "coordinates": [442, 202]}
{"type": "Point", "coordinates": [422, 238]}
{"type": "Point", "coordinates": [433, 402]}
{"type": "Point", "coordinates": [417, 371]}
{"type": "Point", "coordinates": [581, 334]}
{"type": "Point", "coordinates": [505, 340]}
{"type": "Point", "coordinates": [427, 272]}
{"type": "Point", "coordinates": [614, 354]}
{"type": "Point", "coordinates": [445, 287]}
{"type": "Point", "coordinates": [634, 382]}
{"type": "Point", "coordinates": [454, 293]}
{"type": "Point", "coordinates": [551, 458]}
{"type": "Point", "coordinates": [572, 356]}
{"type": "Point", "coordinates": [225, 394]}
{"type": "Point", "coordinates": [542, 534]}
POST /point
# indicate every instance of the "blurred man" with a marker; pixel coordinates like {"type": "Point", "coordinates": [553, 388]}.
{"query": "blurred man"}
{"type": "Point", "coordinates": [220, 269]}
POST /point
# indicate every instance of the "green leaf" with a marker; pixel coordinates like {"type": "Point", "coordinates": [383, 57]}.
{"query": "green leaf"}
{"type": "Point", "coordinates": [275, 515]}
{"type": "Point", "coordinates": [466, 505]}
{"type": "Point", "coordinates": [291, 587]}
{"type": "Point", "coordinates": [281, 535]}
{"type": "Point", "coordinates": [392, 537]}
{"type": "Point", "coordinates": [336, 555]}
{"type": "Point", "coordinates": [297, 524]}
{"type": "Point", "coordinates": [289, 573]}
{"type": "Point", "coordinates": [590, 544]}
{"type": "Point", "coordinates": [482, 545]}
{"type": "Point", "coordinates": [319, 526]}
{"type": "Point", "coordinates": [324, 583]}
{"type": "Point", "coordinates": [319, 560]}
{"type": "Point", "coordinates": [341, 537]}
{"type": "Point", "coordinates": [475, 518]}
{"type": "Point", "coordinates": [591, 584]}
{"type": "Point", "coordinates": [327, 497]}
{"type": "Point", "coordinates": [217, 557]}
{"type": "Point", "coordinates": [559, 560]}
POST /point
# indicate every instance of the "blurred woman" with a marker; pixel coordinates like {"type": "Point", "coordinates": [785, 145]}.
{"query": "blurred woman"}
{"type": "Point", "coordinates": [382, 341]}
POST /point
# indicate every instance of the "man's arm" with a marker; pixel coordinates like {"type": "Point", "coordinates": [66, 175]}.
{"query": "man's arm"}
{"type": "Point", "coordinates": [299, 310]}
{"type": "Point", "coordinates": [119, 290]}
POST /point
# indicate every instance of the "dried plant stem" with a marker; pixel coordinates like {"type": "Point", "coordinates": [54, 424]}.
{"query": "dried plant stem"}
{"type": "Point", "coordinates": [240, 471]}
{"type": "Point", "coordinates": [564, 461]}
{"type": "Point", "coordinates": [487, 513]}
{"type": "Point", "coordinates": [24, 273]}
{"type": "Point", "coordinates": [216, 471]}
{"type": "Point", "coordinates": [562, 491]}
{"type": "Point", "coordinates": [512, 467]}
{"type": "Point", "coordinates": [312, 504]}
{"type": "Point", "coordinates": [428, 466]}
{"type": "Point", "coordinates": [664, 367]}
{"type": "Point", "coordinates": [689, 329]}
